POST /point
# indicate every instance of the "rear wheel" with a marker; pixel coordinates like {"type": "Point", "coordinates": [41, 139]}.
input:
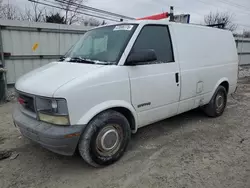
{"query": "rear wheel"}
{"type": "Point", "coordinates": [217, 104]}
{"type": "Point", "coordinates": [105, 139]}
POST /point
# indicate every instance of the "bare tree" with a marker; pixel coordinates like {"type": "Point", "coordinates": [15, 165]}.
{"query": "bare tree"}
{"type": "Point", "coordinates": [94, 22]}
{"type": "Point", "coordinates": [89, 21]}
{"type": "Point", "coordinates": [85, 22]}
{"type": "Point", "coordinates": [225, 18]}
{"type": "Point", "coordinates": [1, 8]}
{"type": "Point", "coordinates": [9, 11]}
{"type": "Point", "coordinates": [71, 8]}
{"type": "Point", "coordinates": [35, 13]}
{"type": "Point", "coordinates": [104, 22]}
{"type": "Point", "coordinates": [246, 34]}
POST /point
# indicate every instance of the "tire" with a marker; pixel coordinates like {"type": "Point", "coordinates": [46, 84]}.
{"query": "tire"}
{"type": "Point", "coordinates": [217, 105]}
{"type": "Point", "coordinates": [105, 139]}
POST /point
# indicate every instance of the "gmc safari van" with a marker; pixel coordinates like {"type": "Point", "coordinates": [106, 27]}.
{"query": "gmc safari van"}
{"type": "Point", "coordinates": [118, 78]}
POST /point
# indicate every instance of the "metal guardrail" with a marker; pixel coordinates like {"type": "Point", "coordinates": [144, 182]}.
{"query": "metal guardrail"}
{"type": "Point", "coordinates": [29, 57]}
{"type": "Point", "coordinates": [38, 29]}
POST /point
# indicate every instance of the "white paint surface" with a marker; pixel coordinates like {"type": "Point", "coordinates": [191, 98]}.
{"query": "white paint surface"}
{"type": "Point", "coordinates": [204, 58]}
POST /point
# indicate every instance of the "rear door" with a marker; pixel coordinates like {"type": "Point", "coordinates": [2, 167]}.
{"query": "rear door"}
{"type": "Point", "coordinates": [155, 87]}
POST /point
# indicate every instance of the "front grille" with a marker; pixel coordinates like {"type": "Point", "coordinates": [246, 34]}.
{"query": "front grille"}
{"type": "Point", "coordinates": [27, 102]}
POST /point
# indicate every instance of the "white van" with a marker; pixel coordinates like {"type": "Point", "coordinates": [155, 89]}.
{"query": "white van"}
{"type": "Point", "coordinates": [118, 78]}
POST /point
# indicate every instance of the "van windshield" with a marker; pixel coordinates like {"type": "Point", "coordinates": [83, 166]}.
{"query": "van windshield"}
{"type": "Point", "coordinates": [103, 45]}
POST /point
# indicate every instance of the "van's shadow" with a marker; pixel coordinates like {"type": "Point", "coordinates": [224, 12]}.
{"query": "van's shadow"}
{"type": "Point", "coordinates": [152, 131]}
{"type": "Point", "coordinates": [166, 126]}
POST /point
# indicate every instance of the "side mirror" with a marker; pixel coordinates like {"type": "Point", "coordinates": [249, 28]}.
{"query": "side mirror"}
{"type": "Point", "coordinates": [141, 56]}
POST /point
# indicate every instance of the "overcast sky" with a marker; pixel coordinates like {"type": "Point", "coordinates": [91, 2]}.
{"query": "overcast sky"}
{"type": "Point", "coordinates": [197, 8]}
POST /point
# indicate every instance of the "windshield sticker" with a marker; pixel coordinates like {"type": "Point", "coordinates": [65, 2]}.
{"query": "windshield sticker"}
{"type": "Point", "coordinates": [123, 27]}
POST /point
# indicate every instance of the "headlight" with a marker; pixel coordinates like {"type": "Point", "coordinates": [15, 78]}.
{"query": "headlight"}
{"type": "Point", "coordinates": [52, 110]}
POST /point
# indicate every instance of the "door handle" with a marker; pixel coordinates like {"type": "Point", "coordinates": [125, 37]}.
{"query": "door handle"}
{"type": "Point", "coordinates": [177, 77]}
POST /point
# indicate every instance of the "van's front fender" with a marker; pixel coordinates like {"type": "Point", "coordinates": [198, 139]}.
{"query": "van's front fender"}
{"type": "Point", "coordinates": [85, 119]}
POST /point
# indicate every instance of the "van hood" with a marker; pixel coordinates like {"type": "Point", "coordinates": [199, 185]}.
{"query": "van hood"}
{"type": "Point", "coordinates": [45, 80]}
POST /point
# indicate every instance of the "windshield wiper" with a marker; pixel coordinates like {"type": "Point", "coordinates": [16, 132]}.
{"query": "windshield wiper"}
{"type": "Point", "coordinates": [62, 58]}
{"type": "Point", "coordinates": [89, 61]}
{"type": "Point", "coordinates": [80, 60]}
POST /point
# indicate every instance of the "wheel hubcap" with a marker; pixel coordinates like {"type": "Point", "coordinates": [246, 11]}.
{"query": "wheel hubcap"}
{"type": "Point", "coordinates": [219, 101]}
{"type": "Point", "coordinates": [108, 140]}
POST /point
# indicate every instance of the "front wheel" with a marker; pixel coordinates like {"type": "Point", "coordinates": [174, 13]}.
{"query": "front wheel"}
{"type": "Point", "coordinates": [217, 104]}
{"type": "Point", "coordinates": [105, 139]}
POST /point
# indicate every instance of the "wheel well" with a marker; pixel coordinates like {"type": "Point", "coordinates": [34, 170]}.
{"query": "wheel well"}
{"type": "Point", "coordinates": [127, 114]}
{"type": "Point", "coordinates": [225, 84]}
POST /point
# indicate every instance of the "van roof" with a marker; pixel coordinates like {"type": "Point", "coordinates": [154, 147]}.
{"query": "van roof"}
{"type": "Point", "coordinates": [165, 21]}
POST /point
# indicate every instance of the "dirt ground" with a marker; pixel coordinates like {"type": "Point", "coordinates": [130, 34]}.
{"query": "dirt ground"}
{"type": "Point", "coordinates": [186, 151]}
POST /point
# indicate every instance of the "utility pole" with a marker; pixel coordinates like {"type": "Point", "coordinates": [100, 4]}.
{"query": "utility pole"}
{"type": "Point", "coordinates": [3, 66]}
{"type": "Point", "coordinates": [171, 14]}
{"type": "Point", "coordinates": [223, 24]}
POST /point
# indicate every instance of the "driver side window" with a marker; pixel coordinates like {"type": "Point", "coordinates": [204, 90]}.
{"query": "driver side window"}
{"type": "Point", "coordinates": [157, 38]}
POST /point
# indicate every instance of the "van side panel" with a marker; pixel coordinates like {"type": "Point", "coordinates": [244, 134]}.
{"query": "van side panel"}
{"type": "Point", "coordinates": [207, 57]}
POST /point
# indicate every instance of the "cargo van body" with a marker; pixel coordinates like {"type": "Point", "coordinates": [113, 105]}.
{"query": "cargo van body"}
{"type": "Point", "coordinates": [126, 76]}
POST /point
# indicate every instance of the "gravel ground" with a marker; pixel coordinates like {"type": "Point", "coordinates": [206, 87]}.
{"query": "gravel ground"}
{"type": "Point", "coordinates": [189, 150]}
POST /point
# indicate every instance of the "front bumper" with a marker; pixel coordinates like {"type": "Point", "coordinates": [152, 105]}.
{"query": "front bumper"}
{"type": "Point", "coordinates": [59, 139]}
